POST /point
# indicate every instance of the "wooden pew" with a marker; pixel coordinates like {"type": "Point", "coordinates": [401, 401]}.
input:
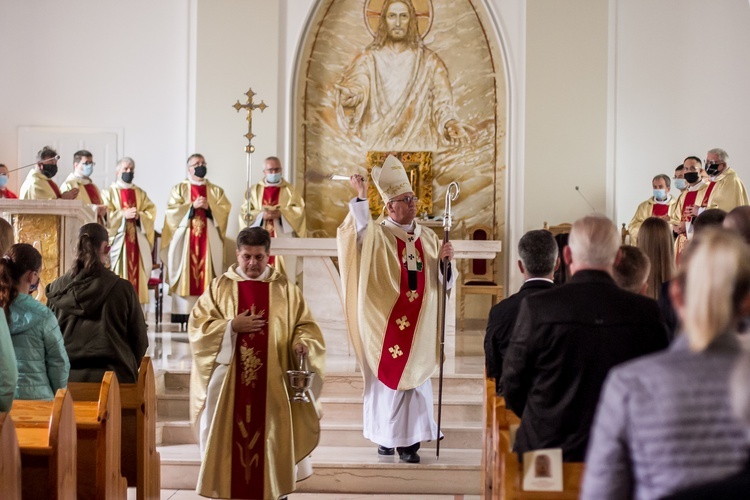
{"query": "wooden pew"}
{"type": "Point", "coordinates": [490, 399]}
{"type": "Point", "coordinates": [98, 427]}
{"type": "Point", "coordinates": [10, 460]}
{"type": "Point", "coordinates": [140, 462]}
{"type": "Point", "coordinates": [47, 438]}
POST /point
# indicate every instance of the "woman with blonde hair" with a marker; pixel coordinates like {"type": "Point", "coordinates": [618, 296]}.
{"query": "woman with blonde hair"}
{"type": "Point", "coordinates": [655, 240]}
{"type": "Point", "coordinates": [664, 421]}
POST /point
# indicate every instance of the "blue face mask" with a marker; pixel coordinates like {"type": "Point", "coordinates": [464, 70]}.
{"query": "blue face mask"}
{"type": "Point", "coordinates": [3, 180]}
{"type": "Point", "coordinates": [273, 178]}
{"type": "Point", "coordinates": [87, 169]}
{"type": "Point", "coordinates": [680, 183]}
{"type": "Point", "coordinates": [660, 194]}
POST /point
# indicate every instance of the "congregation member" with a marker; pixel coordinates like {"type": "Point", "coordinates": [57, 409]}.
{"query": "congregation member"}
{"type": "Point", "coordinates": [8, 366]}
{"type": "Point", "coordinates": [725, 190]}
{"type": "Point", "coordinates": [99, 314]}
{"type": "Point", "coordinates": [37, 342]}
{"type": "Point", "coordinates": [738, 220]}
{"type": "Point", "coordinates": [391, 268]}
{"type": "Point", "coordinates": [538, 253]}
{"type": "Point", "coordinates": [275, 205]}
{"type": "Point", "coordinates": [80, 180]}
{"type": "Point", "coordinates": [661, 204]}
{"type": "Point", "coordinates": [39, 184]}
{"type": "Point", "coordinates": [657, 243]}
{"type": "Point", "coordinates": [130, 218]}
{"type": "Point", "coordinates": [192, 241]}
{"type": "Point", "coordinates": [682, 216]}
{"type": "Point", "coordinates": [248, 328]}
{"type": "Point", "coordinates": [4, 191]}
{"type": "Point", "coordinates": [678, 181]}
{"type": "Point", "coordinates": [664, 422]}
{"type": "Point", "coordinates": [567, 339]}
{"type": "Point", "coordinates": [631, 270]}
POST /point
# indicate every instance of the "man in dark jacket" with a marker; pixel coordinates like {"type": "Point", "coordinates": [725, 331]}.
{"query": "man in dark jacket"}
{"type": "Point", "coordinates": [537, 250]}
{"type": "Point", "coordinates": [567, 339]}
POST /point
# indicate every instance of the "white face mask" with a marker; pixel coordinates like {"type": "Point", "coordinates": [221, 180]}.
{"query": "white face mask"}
{"type": "Point", "coordinates": [87, 169]}
{"type": "Point", "coordinates": [273, 178]}
{"type": "Point", "coordinates": [3, 180]}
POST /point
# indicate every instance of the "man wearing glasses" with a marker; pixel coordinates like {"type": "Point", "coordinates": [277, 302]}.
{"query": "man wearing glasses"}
{"type": "Point", "coordinates": [725, 190]}
{"type": "Point", "coordinates": [390, 272]}
{"type": "Point", "coordinates": [79, 182]}
{"type": "Point", "coordinates": [192, 242]}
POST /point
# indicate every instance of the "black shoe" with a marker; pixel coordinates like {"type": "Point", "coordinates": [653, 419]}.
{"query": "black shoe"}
{"type": "Point", "coordinates": [382, 450]}
{"type": "Point", "coordinates": [410, 458]}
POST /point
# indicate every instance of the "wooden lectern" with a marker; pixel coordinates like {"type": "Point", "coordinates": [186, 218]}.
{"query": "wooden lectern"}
{"type": "Point", "coordinates": [51, 226]}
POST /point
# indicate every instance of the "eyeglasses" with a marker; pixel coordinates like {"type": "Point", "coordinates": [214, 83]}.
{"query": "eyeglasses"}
{"type": "Point", "coordinates": [408, 200]}
{"type": "Point", "coordinates": [93, 164]}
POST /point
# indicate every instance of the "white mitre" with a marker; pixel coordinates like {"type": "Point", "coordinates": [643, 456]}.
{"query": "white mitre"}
{"type": "Point", "coordinates": [391, 179]}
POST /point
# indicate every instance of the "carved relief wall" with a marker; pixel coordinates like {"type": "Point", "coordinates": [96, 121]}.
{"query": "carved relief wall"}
{"type": "Point", "coordinates": [371, 80]}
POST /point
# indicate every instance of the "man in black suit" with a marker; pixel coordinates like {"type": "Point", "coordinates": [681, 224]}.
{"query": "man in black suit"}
{"type": "Point", "coordinates": [567, 339]}
{"type": "Point", "coordinates": [538, 252]}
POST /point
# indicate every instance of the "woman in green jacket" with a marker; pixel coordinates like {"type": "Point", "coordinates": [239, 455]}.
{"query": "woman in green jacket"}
{"type": "Point", "coordinates": [40, 352]}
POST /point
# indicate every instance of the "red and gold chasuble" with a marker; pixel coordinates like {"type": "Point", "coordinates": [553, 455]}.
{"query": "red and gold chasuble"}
{"type": "Point", "coordinates": [402, 322]}
{"type": "Point", "coordinates": [249, 415]}
{"type": "Point", "coordinates": [198, 242]}
{"type": "Point", "coordinates": [93, 194]}
{"type": "Point", "coordinates": [659, 210]}
{"type": "Point", "coordinates": [132, 255]}
{"type": "Point", "coordinates": [689, 202]}
{"type": "Point", "coordinates": [271, 199]}
{"type": "Point", "coordinates": [707, 196]}
{"type": "Point", "coordinates": [55, 189]}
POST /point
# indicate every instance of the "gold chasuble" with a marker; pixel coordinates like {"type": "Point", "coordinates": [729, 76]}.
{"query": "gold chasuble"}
{"type": "Point", "coordinates": [392, 297]}
{"type": "Point", "coordinates": [38, 186]}
{"type": "Point", "coordinates": [192, 243]}
{"type": "Point", "coordinates": [256, 435]}
{"type": "Point", "coordinates": [726, 192]}
{"type": "Point", "coordinates": [131, 240]}
{"type": "Point", "coordinates": [282, 197]}
{"type": "Point", "coordinates": [88, 193]}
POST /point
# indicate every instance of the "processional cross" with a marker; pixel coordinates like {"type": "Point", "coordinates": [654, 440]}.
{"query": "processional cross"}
{"type": "Point", "coordinates": [249, 106]}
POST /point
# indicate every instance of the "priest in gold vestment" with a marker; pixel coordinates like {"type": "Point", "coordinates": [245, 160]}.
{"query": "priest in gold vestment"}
{"type": "Point", "coordinates": [276, 206]}
{"type": "Point", "coordinates": [79, 181]}
{"type": "Point", "coordinates": [246, 330]}
{"type": "Point", "coordinates": [390, 272]}
{"type": "Point", "coordinates": [725, 189]}
{"type": "Point", "coordinates": [130, 220]}
{"type": "Point", "coordinates": [192, 242]}
{"type": "Point", "coordinates": [38, 184]}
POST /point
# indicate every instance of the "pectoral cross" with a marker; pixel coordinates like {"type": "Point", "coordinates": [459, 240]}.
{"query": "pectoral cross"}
{"type": "Point", "coordinates": [249, 106]}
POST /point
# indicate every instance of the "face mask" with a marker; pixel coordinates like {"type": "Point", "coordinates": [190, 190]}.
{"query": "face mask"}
{"type": "Point", "coordinates": [660, 194]}
{"type": "Point", "coordinates": [200, 171]}
{"type": "Point", "coordinates": [712, 169]}
{"type": "Point", "coordinates": [87, 169]}
{"type": "Point", "coordinates": [127, 177]}
{"type": "Point", "coordinates": [3, 180]}
{"type": "Point", "coordinates": [680, 184]}
{"type": "Point", "coordinates": [49, 170]}
{"type": "Point", "coordinates": [692, 177]}
{"type": "Point", "coordinates": [273, 178]}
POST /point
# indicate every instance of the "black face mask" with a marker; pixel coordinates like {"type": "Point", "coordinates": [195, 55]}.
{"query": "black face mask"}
{"type": "Point", "coordinates": [127, 177]}
{"type": "Point", "coordinates": [712, 169]}
{"type": "Point", "coordinates": [200, 171]}
{"type": "Point", "coordinates": [49, 170]}
{"type": "Point", "coordinates": [692, 177]}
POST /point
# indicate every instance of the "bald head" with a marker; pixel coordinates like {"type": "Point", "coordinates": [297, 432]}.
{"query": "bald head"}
{"type": "Point", "coordinates": [738, 220]}
{"type": "Point", "coordinates": [593, 244]}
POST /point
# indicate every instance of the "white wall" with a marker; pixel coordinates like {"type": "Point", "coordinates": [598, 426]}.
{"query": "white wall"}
{"type": "Point", "coordinates": [94, 64]}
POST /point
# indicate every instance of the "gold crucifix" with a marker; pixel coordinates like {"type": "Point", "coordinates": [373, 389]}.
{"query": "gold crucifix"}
{"type": "Point", "coordinates": [249, 106]}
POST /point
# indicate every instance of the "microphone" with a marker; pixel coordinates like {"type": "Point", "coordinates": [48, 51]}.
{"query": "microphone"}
{"type": "Point", "coordinates": [56, 157]}
{"type": "Point", "coordinates": [586, 200]}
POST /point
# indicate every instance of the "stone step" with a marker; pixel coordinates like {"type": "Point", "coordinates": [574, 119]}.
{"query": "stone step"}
{"type": "Point", "coordinates": [467, 436]}
{"type": "Point", "coordinates": [353, 470]}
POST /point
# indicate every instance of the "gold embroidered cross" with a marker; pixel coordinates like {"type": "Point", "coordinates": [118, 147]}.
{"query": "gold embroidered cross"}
{"type": "Point", "coordinates": [395, 351]}
{"type": "Point", "coordinates": [403, 323]}
{"type": "Point", "coordinates": [412, 295]}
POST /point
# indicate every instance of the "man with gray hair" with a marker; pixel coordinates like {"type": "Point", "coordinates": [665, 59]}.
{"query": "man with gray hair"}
{"type": "Point", "coordinates": [538, 252]}
{"type": "Point", "coordinates": [725, 190]}
{"type": "Point", "coordinates": [567, 339]}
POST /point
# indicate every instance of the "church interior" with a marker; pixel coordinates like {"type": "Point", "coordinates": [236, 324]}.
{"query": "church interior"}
{"type": "Point", "coordinates": [553, 110]}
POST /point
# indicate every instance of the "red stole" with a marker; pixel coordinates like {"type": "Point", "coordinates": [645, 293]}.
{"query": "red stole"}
{"type": "Point", "coordinates": [706, 196]}
{"type": "Point", "coordinates": [402, 322]}
{"type": "Point", "coordinates": [271, 198]}
{"type": "Point", "coordinates": [249, 411]}
{"type": "Point", "coordinates": [198, 242]}
{"type": "Point", "coordinates": [659, 210]}
{"type": "Point", "coordinates": [7, 193]}
{"type": "Point", "coordinates": [689, 202]}
{"type": "Point", "coordinates": [55, 188]}
{"type": "Point", "coordinates": [93, 194]}
{"type": "Point", "coordinates": [132, 255]}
